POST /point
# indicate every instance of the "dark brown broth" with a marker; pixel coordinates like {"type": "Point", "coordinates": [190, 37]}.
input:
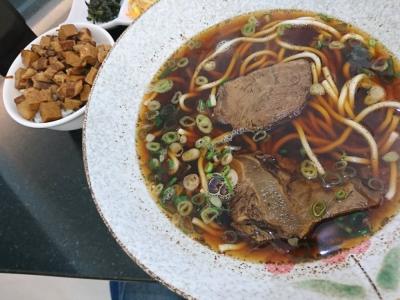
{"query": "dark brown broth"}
{"type": "Point", "coordinates": [328, 236]}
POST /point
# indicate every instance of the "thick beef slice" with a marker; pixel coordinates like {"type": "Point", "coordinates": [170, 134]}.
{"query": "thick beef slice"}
{"type": "Point", "coordinates": [265, 97]}
{"type": "Point", "coordinates": [269, 205]}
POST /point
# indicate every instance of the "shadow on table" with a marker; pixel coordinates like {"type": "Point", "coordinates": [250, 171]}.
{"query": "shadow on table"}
{"type": "Point", "coordinates": [121, 290]}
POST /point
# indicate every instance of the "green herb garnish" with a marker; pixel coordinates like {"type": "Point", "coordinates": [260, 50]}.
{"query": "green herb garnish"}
{"type": "Point", "coordinates": [101, 11]}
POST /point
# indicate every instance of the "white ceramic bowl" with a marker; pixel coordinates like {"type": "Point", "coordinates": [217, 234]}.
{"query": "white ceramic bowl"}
{"type": "Point", "coordinates": [142, 229]}
{"type": "Point", "coordinates": [70, 122]}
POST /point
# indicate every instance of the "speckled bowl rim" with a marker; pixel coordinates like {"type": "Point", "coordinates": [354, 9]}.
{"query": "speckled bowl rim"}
{"type": "Point", "coordinates": [392, 227]}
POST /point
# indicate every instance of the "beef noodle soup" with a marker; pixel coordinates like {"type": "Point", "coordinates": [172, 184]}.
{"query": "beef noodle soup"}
{"type": "Point", "coordinates": [273, 136]}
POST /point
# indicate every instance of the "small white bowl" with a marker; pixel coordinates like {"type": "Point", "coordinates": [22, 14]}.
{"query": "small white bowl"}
{"type": "Point", "coordinates": [70, 122]}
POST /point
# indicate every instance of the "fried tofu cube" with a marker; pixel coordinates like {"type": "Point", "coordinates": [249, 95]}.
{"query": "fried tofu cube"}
{"type": "Point", "coordinates": [19, 99]}
{"type": "Point", "coordinates": [84, 35]}
{"type": "Point", "coordinates": [41, 76]}
{"type": "Point", "coordinates": [66, 31]}
{"type": "Point", "coordinates": [40, 84]}
{"type": "Point", "coordinates": [62, 91]}
{"type": "Point", "coordinates": [45, 95]}
{"type": "Point", "coordinates": [50, 111]}
{"type": "Point", "coordinates": [20, 83]}
{"type": "Point", "coordinates": [29, 73]}
{"type": "Point", "coordinates": [76, 71]}
{"type": "Point", "coordinates": [72, 59]}
{"type": "Point", "coordinates": [59, 78]}
{"type": "Point", "coordinates": [38, 49]}
{"type": "Point", "coordinates": [28, 109]}
{"type": "Point", "coordinates": [85, 93]}
{"type": "Point", "coordinates": [31, 94]}
{"type": "Point", "coordinates": [102, 51]}
{"type": "Point", "coordinates": [88, 53]}
{"type": "Point", "coordinates": [72, 104]}
{"type": "Point", "coordinates": [40, 64]}
{"type": "Point", "coordinates": [58, 65]}
{"type": "Point", "coordinates": [73, 88]}
{"type": "Point", "coordinates": [50, 72]}
{"type": "Point", "coordinates": [55, 45]}
{"type": "Point", "coordinates": [67, 45]}
{"type": "Point", "coordinates": [91, 76]}
{"type": "Point", "coordinates": [45, 42]}
{"type": "Point", "coordinates": [28, 57]}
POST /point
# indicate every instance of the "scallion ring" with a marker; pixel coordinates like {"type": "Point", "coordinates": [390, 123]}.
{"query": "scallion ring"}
{"type": "Point", "coordinates": [341, 195]}
{"type": "Point", "coordinates": [209, 214]}
{"type": "Point", "coordinates": [184, 208]}
{"type": "Point", "coordinates": [248, 29]}
{"type": "Point", "coordinates": [260, 135]}
{"type": "Point", "coordinates": [191, 182]}
{"type": "Point", "coordinates": [191, 155]}
{"type": "Point", "coordinates": [201, 80]}
{"type": "Point", "coordinates": [175, 97]}
{"type": "Point", "coordinates": [154, 164]}
{"type": "Point", "coordinates": [176, 149]}
{"type": "Point", "coordinates": [331, 179]}
{"type": "Point", "coordinates": [308, 169]}
{"type": "Point", "coordinates": [182, 62]}
{"type": "Point", "coordinates": [340, 165]}
{"type": "Point", "coordinates": [153, 146]}
{"type": "Point", "coordinates": [199, 199]}
{"type": "Point", "coordinates": [162, 86]}
{"type": "Point", "coordinates": [202, 142]}
{"type": "Point", "coordinates": [215, 201]}
{"type": "Point", "coordinates": [153, 105]}
{"type": "Point", "coordinates": [349, 172]}
{"type": "Point", "coordinates": [210, 65]}
{"type": "Point", "coordinates": [376, 184]}
{"type": "Point", "coordinates": [226, 159]}
{"type": "Point", "coordinates": [152, 114]}
{"type": "Point", "coordinates": [391, 156]}
{"type": "Point", "coordinates": [252, 20]}
{"type": "Point", "coordinates": [204, 124]}
{"type": "Point", "coordinates": [187, 121]}
{"type": "Point", "coordinates": [319, 209]}
{"type": "Point", "coordinates": [170, 137]}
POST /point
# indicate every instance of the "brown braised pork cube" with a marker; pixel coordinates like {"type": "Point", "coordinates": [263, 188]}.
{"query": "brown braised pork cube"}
{"type": "Point", "coordinates": [40, 64]}
{"type": "Point", "coordinates": [73, 88]}
{"type": "Point", "coordinates": [29, 73]}
{"type": "Point", "coordinates": [85, 93]}
{"type": "Point", "coordinates": [72, 104]}
{"type": "Point", "coordinates": [67, 44]}
{"type": "Point", "coordinates": [102, 51]}
{"type": "Point", "coordinates": [55, 45]}
{"type": "Point", "coordinates": [59, 78]}
{"type": "Point", "coordinates": [40, 84]}
{"type": "Point", "coordinates": [45, 41]}
{"type": "Point", "coordinates": [38, 49]}
{"type": "Point", "coordinates": [19, 99]}
{"type": "Point", "coordinates": [56, 64]}
{"type": "Point", "coordinates": [85, 35]}
{"type": "Point", "coordinates": [91, 76]}
{"type": "Point", "coordinates": [41, 76]}
{"type": "Point", "coordinates": [28, 57]}
{"type": "Point", "coordinates": [51, 71]}
{"type": "Point", "coordinates": [76, 71]}
{"type": "Point", "coordinates": [66, 31]}
{"type": "Point", "coordinates": [72, 59]}
{"type": "Point", "coordinates": [50, 111]}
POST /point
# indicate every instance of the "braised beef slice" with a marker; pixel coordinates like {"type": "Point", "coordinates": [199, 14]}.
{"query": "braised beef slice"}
{"type": "Point", "coordinates": [266, 97]}
{"type": "Point", "coordinates": [271, 205]}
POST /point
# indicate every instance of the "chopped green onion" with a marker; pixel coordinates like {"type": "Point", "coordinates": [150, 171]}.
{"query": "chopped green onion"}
{"type": "Point", "coordinates": [281, 29]}
{"type": "Point", "coordinates": [201, 107]}
{"type": "Point", "coordinates": [182, 62]}
{"type": "Point", "coordinates": [171, 164]}
{"type": "Point", "coordinates": [372, 43]}
{"type": "Point", "coordinates": [153, 105]}
{"type": "Point", "coordinates": [340, 165]}
{"type": "Point", "coordinates": [260, 135]}
{"type": "Point", "coordinates": [194, 44]}
{"type": "Point", "coordinates": [210, 154]}
{"type": "Point", "coordinates": [163, 154]}
{"type": "Point", "coordinates": [341, 195]}
{"type": "Point", "coordinates": [336, 45]}
{"type": "Point", "coordinates": [209, 214]}
{"type": "Point", "coordinates": [283, 151]}
{"type": "Point", "coordinates": [209, 167]}
{"type": "Point", "coordinates": [318, 209]}
{"type": "Point", "coordinates": [191, 155]}
{"type": "Point", "coordinates": [179, 199]}
{"type": "Point", "coordinates": [226, 159]}
{"type": "Point", "coordinates": [184, 208]}
{"type": "Point", "coordinates": [154, 164]}
{"type": "Point", "coordinates": [215, 201]}
{"type": "Point", "coordinates": [203, 142]}
{"type": "Point", "coordinates": [308, 169]}
{"type": "Point", "coordinates": [201, 80]}
{"type": "Point", "coordinates": [175, 97]}
{"type": "Point", "coordinates": [225, 170]}
{"type": "Point", "coordinates": [252, 20]}
{"type": "Point", "coordinates": [228, 184]}
{"type": "Point", "coordinates": [191, 182]}
{"type": "Point", "coordinates": [319, 44]}
{"type": "Point", "coordinates": [210, 65]}
{"type": "Point", "coordinates": [391, 156]}
{"type": "Point", "coordinates": [176, 149]}
{"type": "Point", "coordinates": [248, 29]}
{"type": "Point", "coordinates": [158, 122]}
{"type": "Point", "coordinates": [153, 146]}
{"type": "Point", "coordinates": [376, 184]}
{"type": "Point", "coordinates": [204, 124]}
{"type": "Point", "coordinates": [349, 172]}
{"type": "Point", "coordinates": [170, 137]}
{"type": "Point", "coordinates": [199, 199]}
{"type": "Point", "coordinates": [325, 18]}
{"type": "Point", "coordinates": [187, 121]}
{"type": "Point", "coordinates": [152, 114]}
{"type": "Point", "coordinates": [172, 181]}
{"type": "Point", "coordinates": [212, 101]}
{"type": "Point", "coordinates": [331, 179]}
{"type": "Point", "coordinates": [162, 86]}
{"type": "Point", "coordinates": [167, 194]}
